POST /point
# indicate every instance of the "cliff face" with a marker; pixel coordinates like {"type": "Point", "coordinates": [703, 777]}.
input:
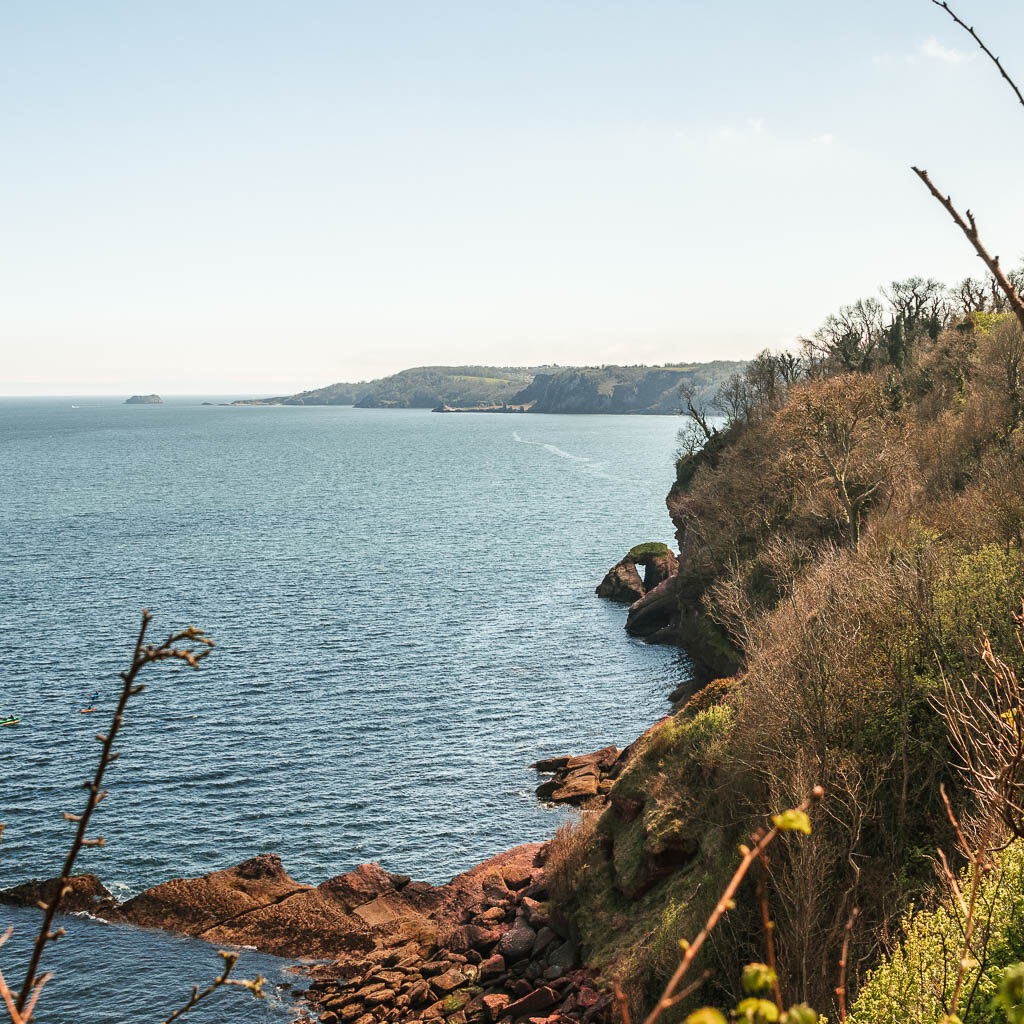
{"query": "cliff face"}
{"type": "Point", "coordinates": [621, 389]}
{"type": "Point", "coordinates": [848, 602]}
{"type": "Point", "coordinates": [587, 389]}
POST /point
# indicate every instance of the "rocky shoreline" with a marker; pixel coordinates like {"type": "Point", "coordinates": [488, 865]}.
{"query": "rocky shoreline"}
{"type": "Point", "coordinates": [486, 948]}
{"type": "Point", "coordinates": [380, 948]}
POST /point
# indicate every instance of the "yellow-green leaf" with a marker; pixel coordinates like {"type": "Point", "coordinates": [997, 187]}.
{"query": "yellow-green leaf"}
{"type": "Point", "coordinates": [758, 1011]}
{"type": "Point", "coordinates": [800, 1014]}
{"type": "Point", "coordinates": [705, 1015]}
{"type": "Point", "coordinates": [792, 821]}
{"type": "Point", "coordinates": [757, 978]}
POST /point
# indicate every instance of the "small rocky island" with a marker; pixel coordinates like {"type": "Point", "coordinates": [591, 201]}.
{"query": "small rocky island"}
{"type": "Point", "coordinates": [144, 400]}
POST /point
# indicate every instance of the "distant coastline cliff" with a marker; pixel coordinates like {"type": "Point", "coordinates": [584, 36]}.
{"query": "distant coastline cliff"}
{"type": "Point", "coordinates": [550, 389]}
{"type": "Point", "coordinates": [144, 400]}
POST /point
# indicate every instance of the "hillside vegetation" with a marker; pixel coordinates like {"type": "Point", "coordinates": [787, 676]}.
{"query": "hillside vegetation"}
{"type": "Point", "coordinates": [624, 389]}
{"type": "Point", "coordinates": [847, 538]}
{"type": "Point", "coordinates": [604, 389]}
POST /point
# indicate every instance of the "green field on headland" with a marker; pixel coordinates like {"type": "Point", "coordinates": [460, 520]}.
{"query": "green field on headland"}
{"type": "Point", "coordinates": [552, 389]}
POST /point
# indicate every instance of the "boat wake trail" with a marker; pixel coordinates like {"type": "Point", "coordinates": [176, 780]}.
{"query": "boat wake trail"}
{"type": "Point", "coordinates": [554, 449]}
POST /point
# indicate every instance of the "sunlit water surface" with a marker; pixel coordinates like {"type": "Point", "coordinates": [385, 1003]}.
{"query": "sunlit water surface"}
{"type": "Point", "coordinates": [405, 619]}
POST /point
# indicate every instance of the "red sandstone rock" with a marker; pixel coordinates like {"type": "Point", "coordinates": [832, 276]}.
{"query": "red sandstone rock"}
{"type": "Point", "coordinates": [448, 982]}
{"type": "Point", "coordinates": [494, 1005]}
{"type": "Point", "coordinates": [538, 1000]}
{"type": "Point", "coordinates": [576, 788]}
{"type": "Point", "coordinates": [88, 894]}
{"type": "Point", "coordinates": [622, 583]}
{"type": "Point", "coordinates": [492, 966]}
{"type": "Point", "coordinates": [517, 875]}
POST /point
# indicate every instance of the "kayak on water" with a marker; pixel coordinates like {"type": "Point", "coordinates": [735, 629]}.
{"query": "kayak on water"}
{"type": "Point", "coordinates": [10, 720]}
{"type": "Point", "coordinates": [86, 711]}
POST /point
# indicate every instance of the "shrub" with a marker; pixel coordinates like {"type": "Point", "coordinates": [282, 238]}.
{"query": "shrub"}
{"type": "Point", "coordinates": [914, 984]}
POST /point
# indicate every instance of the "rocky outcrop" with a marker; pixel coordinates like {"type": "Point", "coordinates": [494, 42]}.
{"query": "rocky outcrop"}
{"type": "Point", "coordinates": [655, 615]}
{"type": "Point", "coordinates": [88, 895]}
{"type": "Point", "coordinates": [501, 957]}
{"type": "Point", "coordinates": [480, 949]}
{"type": "Point", "coordinates": [623, 582]}
{"type": "Point", "coordinates": [581, 780]}
{"type": "Point", "coordinates": [144, 400]}
{"type": "Point", "coordinates": [257, 904]}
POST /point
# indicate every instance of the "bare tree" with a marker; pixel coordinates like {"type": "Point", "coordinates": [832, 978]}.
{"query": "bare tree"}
{"type": "Point", "coordinates": [915, 300]}
{"type": "Point", "coordinates": [968, 226]}
{"type": "Point", "coordinates": [985, 722]}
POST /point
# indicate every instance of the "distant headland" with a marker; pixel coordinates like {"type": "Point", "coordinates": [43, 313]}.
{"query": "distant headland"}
{"type": "Point", "coordinates": [144, 400]}
{"type": "Point", "coordinates": [522, 389]}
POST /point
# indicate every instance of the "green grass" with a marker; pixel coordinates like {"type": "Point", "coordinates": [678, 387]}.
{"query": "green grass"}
{"type": "Point", "coordinates": [648, 550]}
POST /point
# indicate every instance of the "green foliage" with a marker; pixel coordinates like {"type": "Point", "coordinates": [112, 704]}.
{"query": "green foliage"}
{"type": "Point", "coordinates": [1009, 995]}
{"type": "Point", "coordinates": [984, 322]}
{"type": "Point", "coordinates": [705, 1015]}
{"type": "Point", "coordinates": [801, 1013]}
{"type": "Point", "coordinates": [754, 1008]}
{"type": "Point", "coordinates": [624, 389]}
{"type": "Point", "coordinates": [792, 821]}
{"type": "Point", "coordinates": [896, 342]}
{"type": "Point", "coordinates": [915, 983]}
{"type": "Point", "coordinates": [977, 592]}
{"type": "Point", "coordinates": [652, 548]}
{"type": "Point", "coordinates": [757, 1011]}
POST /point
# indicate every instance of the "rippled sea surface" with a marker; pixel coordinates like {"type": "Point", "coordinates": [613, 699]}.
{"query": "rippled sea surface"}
{"type": "Point", "coordinates": [405, 618]}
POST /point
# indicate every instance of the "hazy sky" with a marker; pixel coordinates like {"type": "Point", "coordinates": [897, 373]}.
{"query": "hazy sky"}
{"type": "Point", "coordinates": [253, 197]}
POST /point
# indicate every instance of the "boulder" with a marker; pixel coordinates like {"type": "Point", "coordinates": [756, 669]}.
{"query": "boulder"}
{"type": "Point", "coordinates": [538, 1000]}
{"type": "Point", "coordinates": [516, 943]}
{"type": "Point", "coordinates": [448, 982]}
{"type": "Point", "coordinates": [622, 583]}
{"type": "Point", "coordinates": [494, 1005]}
{"type": "Point", "coordinates": [492, 967]}
{"type": "Point", "coordinates": [655, 612]}
{"type": "Point", "coordinates": [517, 875]}
{"type": "Point", "coordinates": [576, 788]}
{"type": "Point", "coordinates": [564, 955]}
{"type": "Point", "coordinates": [419, 994]}
{"type": "Point", "coordinates": [601, 759]}
{"type": "Point", "coordinates": [88, 895]}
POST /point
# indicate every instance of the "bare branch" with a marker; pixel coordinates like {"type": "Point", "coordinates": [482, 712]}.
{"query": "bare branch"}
{"type": "Point", "coordinates": [988, 53]}
{"type": "Point", "coordinates": [970, 229]}
{"type": "Point", "coordinates": [841, 987]}
{"type": "Point", "coordinates": [768, 925]}
{"type": "Point", "coordinates": [189, 645]}
{"type": "Point", "coordinates": [197, 996]}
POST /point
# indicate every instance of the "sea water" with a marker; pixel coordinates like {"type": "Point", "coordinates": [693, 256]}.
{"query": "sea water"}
{"type": "Point", "coordinates": [404, 611]}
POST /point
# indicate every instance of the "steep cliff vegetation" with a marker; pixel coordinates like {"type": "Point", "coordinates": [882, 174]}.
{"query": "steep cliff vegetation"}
{"type": "Point", "coordinates": [625, 389]}
{"type": "Point", "coordinates": [849, 535]}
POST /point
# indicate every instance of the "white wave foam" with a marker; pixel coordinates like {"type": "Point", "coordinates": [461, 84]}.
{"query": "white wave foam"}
{"type": "Point", "coordinates": [554, 449]}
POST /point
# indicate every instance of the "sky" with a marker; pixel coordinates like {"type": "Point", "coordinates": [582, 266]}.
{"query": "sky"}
{"type": "Point", "coordinates": [260, 197]}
